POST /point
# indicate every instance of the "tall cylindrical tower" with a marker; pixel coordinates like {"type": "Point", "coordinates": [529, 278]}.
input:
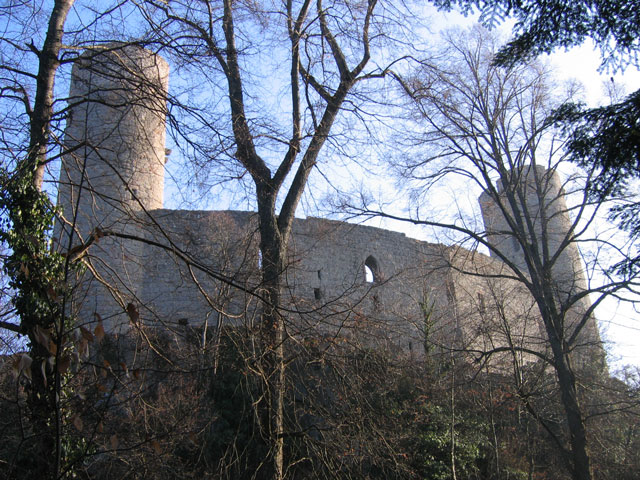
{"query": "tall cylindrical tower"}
{"type": "Point", "coordinates": [541, 217]}
{"type": "Point", "coordinates": [115, 137]}
{"type": "Point", "coordinates": [532, 198]}
{"type": "Point", "coordinates": [113, 169]}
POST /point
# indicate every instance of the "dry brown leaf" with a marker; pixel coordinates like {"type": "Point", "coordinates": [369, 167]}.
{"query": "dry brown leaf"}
{"type": "Point", "coordinates": [22, 364]}
{"type": "Point", "coordinates": [103, 371]}
{"type": "Point", "coordinates": [86, 334]}
{"type": "Point", "coordinates": [77, 422]}
{"type": "Point", "coordinates": [41, 336]}
{"type": "Point", "coordinates": [113, 440]}
{"type": "Point", "coordinates": [43, 371]}
{"type": "Point", "coordinates": [132, 312]}
{"type": "Point", "coordinates": [51, 293]}
{"type": "Point", "coordinates": [83, 348]}
{"type": "Point", "coordinates": [24, 269]}
{"type": "Point", "coordinates": [99, 331]}
{"type": "Point", "coordinates": [63, 364]}
{"type": "Point", "coordinates": [156, 447]}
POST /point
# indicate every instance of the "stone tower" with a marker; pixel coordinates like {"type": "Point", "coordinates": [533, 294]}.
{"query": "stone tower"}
{"type": "Point", "coordinates": [173, 268]}
{"type": "Point", "coordinates": [541, 201]}
{"type": "Point", "coordinates": [542, 217]}
{"type": "Point", "coordinates": [114, 170]}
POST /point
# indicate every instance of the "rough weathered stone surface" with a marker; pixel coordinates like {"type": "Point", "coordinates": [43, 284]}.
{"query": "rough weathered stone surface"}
{"type": "Point", "coordinates": [177, 269]}
{"type": "Point", "coordinates": [550, 230]}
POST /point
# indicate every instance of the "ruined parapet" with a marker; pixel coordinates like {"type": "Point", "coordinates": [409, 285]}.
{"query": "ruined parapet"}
{"type": "Point", "coordinates": [113, 170]}
{"type": "Point", "coordinates": [180, 270]}
{"type": "Point", "coordinates": [368, 285]}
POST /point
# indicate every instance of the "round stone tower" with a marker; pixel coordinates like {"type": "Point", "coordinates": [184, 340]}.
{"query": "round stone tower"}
{"type": "Point", "coordinates": [113, 171]}
{"type": "Point", "coordinates": [115, 137]}
{"type": "Point", "coordinates": [544, 222]}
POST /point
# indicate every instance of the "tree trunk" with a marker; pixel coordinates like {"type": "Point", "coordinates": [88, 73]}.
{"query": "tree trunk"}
{"type": "Point", "coordinates": [577, 430]}
{"type": "Point", "coordinates": [273, 344]}
{"type": "Point", "coordinates": [43, 107]}
{"type": "Point", "coordinates": [274, 253]}
{"type": "Point", "coordinates": [581, 466]}
{"type": "Point", "coordinates": [44, 325]}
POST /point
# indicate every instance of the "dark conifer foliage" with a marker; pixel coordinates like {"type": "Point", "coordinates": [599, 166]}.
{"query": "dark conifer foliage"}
{"type": "Point", "coordinates": [541, 27]}
{"type": "Point", "coordinates": [607, 137]}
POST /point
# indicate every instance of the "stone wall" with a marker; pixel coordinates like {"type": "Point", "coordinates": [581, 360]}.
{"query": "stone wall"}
{"type": "Point", "coordinates": [178, 269]}
{"type": "Point", "coordinates": [113, 170]}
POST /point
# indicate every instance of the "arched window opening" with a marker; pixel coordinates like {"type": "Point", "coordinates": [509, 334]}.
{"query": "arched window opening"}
{"type": "Point", "coordinates": [368, 274]}
{"type": "Point", "coordinates": [371, 270]}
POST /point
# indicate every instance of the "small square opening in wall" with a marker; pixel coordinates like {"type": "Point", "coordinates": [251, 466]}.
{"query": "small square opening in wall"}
{"type": "Point", "coordinates": [317, 293]}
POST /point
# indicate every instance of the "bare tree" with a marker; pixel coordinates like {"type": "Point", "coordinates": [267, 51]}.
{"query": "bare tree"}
{"type": "Point", "coordinates": [322, 53]}
{"type": "Point", "coordinates": [39, 42]}
{"type": "Point", "coordinates": [490, 130]}
{"type": "Point", "coordinates": [338, 41]}
{"type": "Point", "coordinates": [30, 267]}
{"type": "Point", "coordinates": [321, 56]}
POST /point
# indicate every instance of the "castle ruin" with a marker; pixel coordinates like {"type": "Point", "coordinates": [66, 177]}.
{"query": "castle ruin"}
{"type": "Point", "coordinates": [181, 269]}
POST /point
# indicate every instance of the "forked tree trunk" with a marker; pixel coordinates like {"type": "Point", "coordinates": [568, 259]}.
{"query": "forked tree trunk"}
{"type": "Point", "coordinates": [274, 252]}
{"type": "Point", "coordinates": [581, 465]}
